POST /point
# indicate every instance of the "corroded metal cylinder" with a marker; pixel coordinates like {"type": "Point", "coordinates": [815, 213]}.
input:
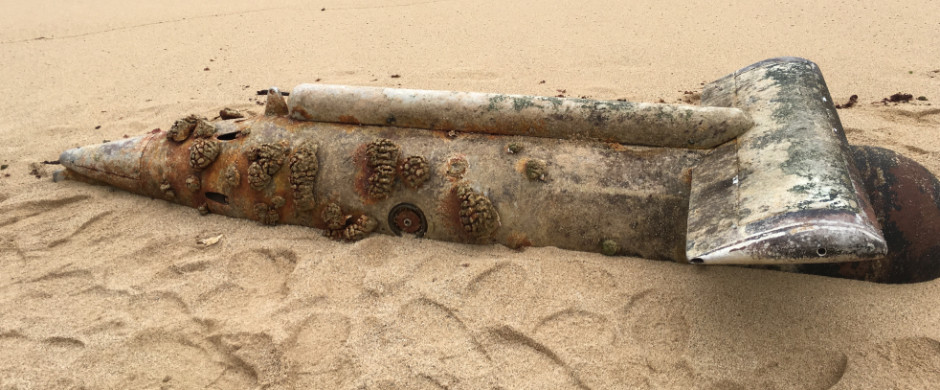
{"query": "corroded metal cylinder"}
{"type": "Point", "coordinates": [477, 188]}
{"type": "Point", "coordinates": [762, 176]}
{"type": "Point", "coordinates": [648, 124]}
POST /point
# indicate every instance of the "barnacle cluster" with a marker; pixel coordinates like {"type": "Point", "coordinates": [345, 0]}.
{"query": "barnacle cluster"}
{"type": "Point", "coordinates": [266, 160]}
{"type": "Point", "coordinates": [268, 214]}
{"type": "Point", "coordinates": [203, 152]}
{"type": "Point", "coordinates": [338, 226]}
{"type": "Point", "coordinates": [355, 231]}
{"type": "Point", "coordinates": [333, 216]}
{"type": "Point", "coordinates": [382, 157]}
{"type": "Point", "coordinates": [477, 214]}
{"type": "Point", "coordinates": [303, 174]}
{"type": "Point", "coordinates": [414, 171]}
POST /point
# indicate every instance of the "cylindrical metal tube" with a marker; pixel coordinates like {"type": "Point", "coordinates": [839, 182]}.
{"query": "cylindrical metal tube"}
{"type": "Point", "coordinates": [648, 124]}
{"type": "Point", "coordinates": [474, 188]}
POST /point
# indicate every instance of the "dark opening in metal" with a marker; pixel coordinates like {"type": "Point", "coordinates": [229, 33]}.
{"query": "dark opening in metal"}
{"type": "Point", "coordinates": [227, 136]}
{"type": "Point", "coordinates": [217, 197]}
{"type": "Point", "coordinates": [407, 218]}
{"type": "Point", "coordinates": [821, 252]}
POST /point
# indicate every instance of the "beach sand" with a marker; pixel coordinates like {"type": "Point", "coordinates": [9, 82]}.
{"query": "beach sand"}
{"type": "Point", "coordinates": [102, 289]}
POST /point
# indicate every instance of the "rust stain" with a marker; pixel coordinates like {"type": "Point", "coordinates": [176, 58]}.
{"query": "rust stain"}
{"type": "Point", "coordinates": [349, 119]}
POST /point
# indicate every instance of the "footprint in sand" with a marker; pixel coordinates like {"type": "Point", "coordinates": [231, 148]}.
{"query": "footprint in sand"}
{"type": "Point", "coordinates": [435, 330]}
{"type": "Point", "coordinates": [494, 280]}
{"type": "Point", "coordinates": [653, 319]}
{"type": "Point", "coordinates": [903, 363]}
{"type": "Point", "coordinates": [576, 328]}
{"type": "Point", "coordinates": [17, 212]}
{"type": "Point", "coordinates": [523, 362]}
{"type": "Point", "coordinates": [150, 357]}
{"type": "Point", "coordinates": [320, 354]}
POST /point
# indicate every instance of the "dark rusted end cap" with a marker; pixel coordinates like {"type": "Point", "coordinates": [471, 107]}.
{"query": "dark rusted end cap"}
{"type": "Point", "coordinates": [906, 199]}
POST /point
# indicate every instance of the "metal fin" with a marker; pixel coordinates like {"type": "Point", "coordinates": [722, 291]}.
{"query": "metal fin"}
{"type": "Point", "coordinates": [785, 191]}
{"type": "Point", "coordinates": [275, 105]}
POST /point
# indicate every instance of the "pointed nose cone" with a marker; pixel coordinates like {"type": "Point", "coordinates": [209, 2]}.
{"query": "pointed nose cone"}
{"type": "Point", "coordinates": [115, 163]}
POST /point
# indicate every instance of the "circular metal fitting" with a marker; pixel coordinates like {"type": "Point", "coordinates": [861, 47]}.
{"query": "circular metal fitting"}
{"type": "Point", "coordinates": [407, 218]}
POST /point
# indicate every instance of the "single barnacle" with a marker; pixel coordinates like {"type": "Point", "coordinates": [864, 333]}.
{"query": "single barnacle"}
{"type": "Point", "coordinates": [333, 216]}
{"type": "Point", "coordinates": [610, 247]}
{"type": "Point", "coordinates": [267, 160]}
{"type": "Point", "coordinates": [536, 170]}
{"type": "Point", "coordinates": [167, 189]}
{"type": "Point", "coordinates": [303, 174]}
{"type": "Point", "coordinates": [267, 215]}
{"type": "Point", "coordinates": [203, 128]}
{"type": "Point", "coordinates": [457, 167]}
{"type": "Point", "coordinates": [478, 216]}
{"type": "Point", "coordinates": [192, 182]}
{"type": "Point", "coordinates": [414, 171]}
{"type": "Point", "coordinates": [182, 128]}
{"type": "Point", "coordinates": [203, 152]}
{"type": "Point", "coordinates": [232, 177]}
{"type": "Point", "coordinates": [230, 113]}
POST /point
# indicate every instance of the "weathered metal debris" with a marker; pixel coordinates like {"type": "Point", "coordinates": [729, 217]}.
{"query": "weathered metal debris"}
{"type": "Point", "coordinates": [761, 174]}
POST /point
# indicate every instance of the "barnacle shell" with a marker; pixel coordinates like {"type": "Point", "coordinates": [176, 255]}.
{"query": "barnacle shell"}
{"type": "Point", "coordinates": [414, 171]}
{"type": "Point", "coordinates": [382, 152]}
{"type": "Point", "coordinates": [477, 214]}
{"type": "Point", "coordinates": [536, 170]}
{"type": "Point", "coordinates": [381, 182]}
{"type": "Point", "coordinates": [267, 160]}
{"type": "Point", "coordinates": [359, 229]}
{"type": "Point", "coordinates": [232, 177]}
{"type": "Point", "coordinates": [182, 128]}
{"type": "Point", "coordinates": [203, 128]}
{"type": "Point", "coordinates": [333, 216]}
{"type": "Point", "coordinates": [266, 214]}
{"type": "Point", "coordinates": [303, 174]}
{"type": "Point", "coordinates": [167, 189]}
{"type": "Point", "coordinates": [203, 152]}
{"type": "Point", "coordinates": [457, 167]}
{"type": "Point", "coordinates": [382, 156]}
{"type": "Point", "coordinates": [192, 182]}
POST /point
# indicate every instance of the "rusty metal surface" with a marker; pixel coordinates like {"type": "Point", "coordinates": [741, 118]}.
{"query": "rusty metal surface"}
{"type": "Point", "coordinates": [906, 199]}
{"type": "Point", "coordinates": [475, 191]}
{"type": "Point", "coordinates": [786, 191]}
{"type": "Point", "coordinates": [650, 124]}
